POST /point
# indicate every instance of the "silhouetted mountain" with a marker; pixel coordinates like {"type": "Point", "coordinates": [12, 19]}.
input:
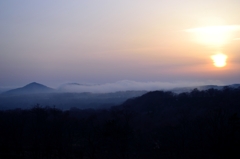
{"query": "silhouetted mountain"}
{"type": "Point", "coordinates": [30, 89]}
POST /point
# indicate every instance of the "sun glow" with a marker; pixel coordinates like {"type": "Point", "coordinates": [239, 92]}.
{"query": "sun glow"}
{"type": "Point", "coordinates": [219, 60]}
{"type": "Point", "coordinates": [214, 35]}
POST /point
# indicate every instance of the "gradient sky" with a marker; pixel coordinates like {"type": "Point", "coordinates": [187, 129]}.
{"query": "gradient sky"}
{"type": "Point", "coordinates": [58, 41]}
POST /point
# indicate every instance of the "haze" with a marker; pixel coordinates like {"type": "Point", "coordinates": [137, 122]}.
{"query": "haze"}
{"type": "Point", "coordinates": [55, 42]}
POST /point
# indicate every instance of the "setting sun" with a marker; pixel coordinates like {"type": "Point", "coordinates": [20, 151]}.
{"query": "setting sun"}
{"type": "Point", "coordinates": [219, 60]}
{"type": "Point", "coordinates": [215, 38]}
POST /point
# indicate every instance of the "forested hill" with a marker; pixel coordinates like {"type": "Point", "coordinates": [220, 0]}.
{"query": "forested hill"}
{"type": "Point", "coordinates": [228, 98]}
{"type": "Point", "coordinates": [199, 124]}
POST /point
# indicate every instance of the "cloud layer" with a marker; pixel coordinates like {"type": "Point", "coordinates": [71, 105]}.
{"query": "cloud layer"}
{"type": "Point", "coordinates": [127, 85]}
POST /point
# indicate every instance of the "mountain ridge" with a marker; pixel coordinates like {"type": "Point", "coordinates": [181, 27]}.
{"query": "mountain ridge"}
{"type": "Point", "coordinates": [30, 88]}
{"type": "Point", "coordinates": [35, 87]}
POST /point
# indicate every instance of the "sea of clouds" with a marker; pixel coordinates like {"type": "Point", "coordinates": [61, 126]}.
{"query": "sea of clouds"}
{"type": "Point", "coordinates": [127, 85]}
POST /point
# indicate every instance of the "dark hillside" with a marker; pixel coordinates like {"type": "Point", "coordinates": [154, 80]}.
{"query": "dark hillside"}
{"type": "Point", "coordinates": [195, 125]}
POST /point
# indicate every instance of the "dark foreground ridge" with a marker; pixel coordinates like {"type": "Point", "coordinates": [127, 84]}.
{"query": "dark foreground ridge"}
{"type": "Point", "coordinates": [157, 125]}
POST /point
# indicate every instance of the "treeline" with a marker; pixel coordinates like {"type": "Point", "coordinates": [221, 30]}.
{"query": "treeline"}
{"type": "Point", "coordinates": [199, 124]}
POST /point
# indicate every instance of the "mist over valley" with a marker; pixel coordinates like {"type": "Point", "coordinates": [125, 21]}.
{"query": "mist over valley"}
{"type": "Point", "coordinates": [84, 96]}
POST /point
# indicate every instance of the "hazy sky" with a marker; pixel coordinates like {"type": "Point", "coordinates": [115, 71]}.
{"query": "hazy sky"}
{"type": "Point", "coordinates": [101, 41]}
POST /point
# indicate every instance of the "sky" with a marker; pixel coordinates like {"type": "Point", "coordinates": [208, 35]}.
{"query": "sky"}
{"type": "Point", "coordinates": [58, 41]}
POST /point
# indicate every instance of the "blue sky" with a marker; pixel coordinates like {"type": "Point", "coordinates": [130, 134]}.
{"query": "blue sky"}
{"type": "Point", "coordinates": [59, 41]}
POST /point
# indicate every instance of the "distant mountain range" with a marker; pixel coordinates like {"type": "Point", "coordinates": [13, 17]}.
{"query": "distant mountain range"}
{"type": "Point", "coordinates": [35, 93]}
{"type": "Point", "coordinates": [77, 95]}
{"type": "Point", "coordinates": [31, 88]}
{"type": "Point", "coordinates": [34, 88]}
{"type": "Point", "coordinates": [201, 88]}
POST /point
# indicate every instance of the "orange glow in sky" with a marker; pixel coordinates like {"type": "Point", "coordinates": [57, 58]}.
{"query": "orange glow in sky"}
{"type": "Point", "coordinates": [107, 41]}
